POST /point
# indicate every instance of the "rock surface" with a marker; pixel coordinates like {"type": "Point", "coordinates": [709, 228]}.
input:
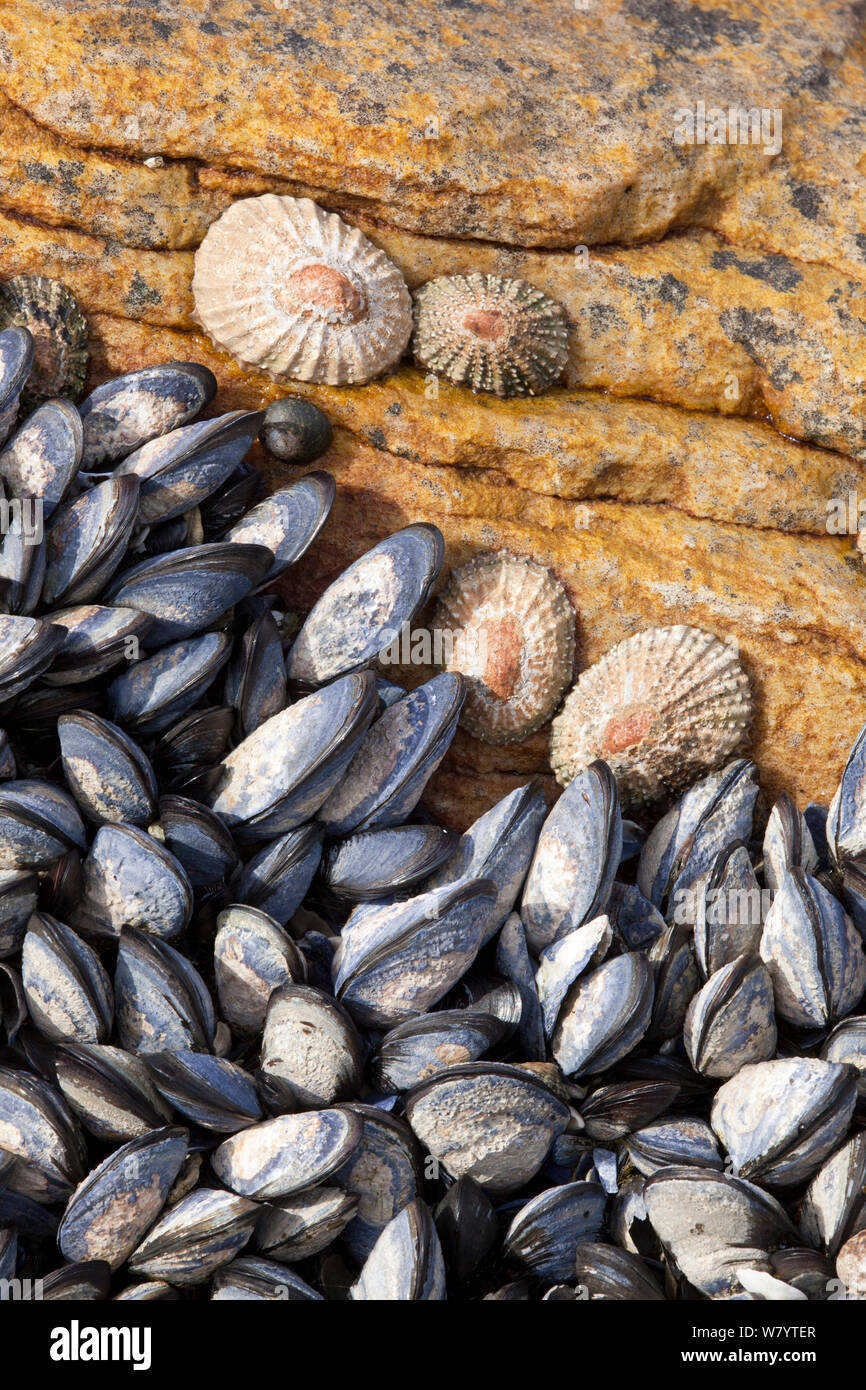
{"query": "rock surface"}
{"type": "Point", "coordinates": [714, 403]}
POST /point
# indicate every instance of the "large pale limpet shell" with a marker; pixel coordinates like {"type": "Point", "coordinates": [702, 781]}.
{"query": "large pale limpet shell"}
{"type": "Point", "coordinates": [661, 709]}
{"type": "Point", "coordinates": [293, 290]}
{"type": "Point", "coordinates": [510, 630]}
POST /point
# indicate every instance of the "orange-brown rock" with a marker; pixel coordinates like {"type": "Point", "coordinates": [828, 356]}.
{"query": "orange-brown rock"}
{"type": "Point", "coordinates": [714, 402]}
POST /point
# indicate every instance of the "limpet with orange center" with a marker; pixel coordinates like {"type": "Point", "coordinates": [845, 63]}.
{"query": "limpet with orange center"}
{"type": "Point", "coordinates": [295, 291]}
{"type": "Point", "coordinates": [507, 626]}
{"type": "Point", "coordinates": [490, 333]}
{"type": "Point", "coordinates": [661, 709]}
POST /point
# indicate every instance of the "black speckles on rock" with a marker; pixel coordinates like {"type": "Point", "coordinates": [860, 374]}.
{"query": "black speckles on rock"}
{"type": "Point", "coordinates": [776, 271]}
{"type": "Point", "coordinates": [806, 198]}
{"type": "Point", "coordinates": [680, 26]}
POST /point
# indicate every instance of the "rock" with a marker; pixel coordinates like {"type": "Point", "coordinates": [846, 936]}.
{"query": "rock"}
{"type": "Point", "coordinates": [713, 406]}
{"type": "Point", "coordinates": [535, 125]}
{"type": "Point", "coordinates": [492, 475]}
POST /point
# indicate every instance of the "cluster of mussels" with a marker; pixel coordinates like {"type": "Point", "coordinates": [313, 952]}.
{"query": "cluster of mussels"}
{"type": "Point", "coordinates": [268, 1031]}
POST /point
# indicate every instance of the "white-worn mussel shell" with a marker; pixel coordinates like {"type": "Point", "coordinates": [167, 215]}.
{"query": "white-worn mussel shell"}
{"type": "Point", "coordinates": [543, 1237]}
{"type": "Point", "coordinates": [68, 992]}
{"type": "Point", "coordinates": [846, 819]}
{"type": "Point", "coordinates": [847, 1043]}
{"type": "Point", "coordinates": [779, 1120]}
{"type": "Point", "coordinates": [397, 961]}
{"type": "Point", "coordinates": [661, 708]}
{"type": "Point", "coordinates": [304, 1225]}
{"type": "Point", "coordinates": [383, 1173]}
{"type": "Point", "coordinates": [156, 691]}
{"type": "Point", "coordinates": [846, 832]}
{"type": "Point", "coordinates": [110, 1091]}
{"type": "Point", "coordinates": [253, 1280]}
{"type": "Point", "coordinates": [37, 1127]}
{"type": "Point", "coordinates": [499, 846]}
{"type": "Point", "coordinates": [130, 880]}
{"type": "Point", "coordinates": [635, 922]}
{"type": "Point", "coordinates": [198, 840]}
{"type": "Point", "coordinates": [27, 647]}
{"type": "Point", "coordinates": [18, 892]}
{"type": "Point", "coordinates": [363, 612]}
{"type": "Point", "coordinates": [683, 845]}
{"type": "Point", "coordinates": [187, 590]}
{"type": "Point", "coordinates": [288, 520]}
{"type": "Point", "coordinates": [38, 823]}
{"type": "Point", "coordinates": [113, 1207]}
{"type": "Point", "coordinates": [276, 878]}
{"type": "Point", "coordinates": [256, 679]}
{"type": "Point", "coordinates": [728, 911]}
{"type": "Point", "coordinates": [488, 1121]}
{"type": "Point", "coordinates": [575, 859]}
{"type": "Point", "coordinates": [419, 1048]}
{"type": "Point", "coordinates": [287, 1154]}
{"type": "Point", "coordinates": [681, 1142]}
{"type": "Point", "coordinates": [95, 639]}
{"type": "Point", "coordinates": [606, 1272]}
{"type": "Point", "coordinates": [149, 1291]}
{"type": "Point", "coordinates": [86, 541]}
{"type": "Point", "coordinates": [564, 960]}
{"type": "Point", "coordinates": [22, 562]}
{"type": "Point", "coordinates": [195, 1237]}
{"type": "Point", "coordinates": [399, 754]}
{"type": "Point", "coordinates": [373, 864]}
{"type": "Point", "coordinates": [406, 1264]}
{"type": "Point", "coordinates": [834, 1207]}
{"type": "Point", "coordinates": [127, 411]}
{"type": "Point", "coordinates": [604, 1015]}
{"type": "Point", "coordinates": [43, 456]}
{"type": "Point", "coordinates": [310, 1042]}
{"type": "Point", "coordinates": [730, 1021]}
{"type": "Point", "coordinates": [179, 470]}
{"type": "Point", "coordinates": [84, 1281]}
{"type": "Point", "coordinates": [738, 1227]}
{"type": "Point", "coordinates": [813, 952]}
{"type": "Point", "coordinates": [253, 956]}
{"type": "Point", "coordinates": [161, 1001]}
{"type": "Point", "coordinates": [788, 843]}
{"type": "Point", "coordinates": [677, 979]}
{"type": "Point", "coordinates": [283, 772]}
{"type": "Point", "coordinates": [109, 776]}
{"type": "Point", "coordinates": [514, 963]}
{"type": "Point", "coordinates": [509, 626]}
{"type": "Point", "coordinates": [209, 1091]}
{"type": "Point", "coordinates": [293, 290]}
{"type": "Point", "coordinates": [615, 1111]}
{"type": "Point", "coordinates": [16, 360]}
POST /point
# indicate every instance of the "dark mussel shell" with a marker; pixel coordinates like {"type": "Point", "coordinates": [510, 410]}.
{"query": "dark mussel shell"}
{"type": "Point", "coordinates": [127, 411]}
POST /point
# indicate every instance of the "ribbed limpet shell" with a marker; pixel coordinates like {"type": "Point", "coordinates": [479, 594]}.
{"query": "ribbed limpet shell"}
{"type": "Point", "coordinates": [295, 291]}
{"type": "Point", "coordinates": [508, 627]}
{"type": "Point", "coordinates": [490, 333]}
{"type": "Point", "coordinates": [661, 709]}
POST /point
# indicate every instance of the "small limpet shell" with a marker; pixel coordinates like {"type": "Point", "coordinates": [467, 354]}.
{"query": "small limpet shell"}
{"type": "Point", "coordinates": [508, 627]}
{"type": "Point", "coordinates": [661, 709]}
{"type": "Point", "coordinates": [53, 317]}
{"type": "Point", "coordinates": [490, 333]}
{"type": "Point", "coordinates": [293, 290]}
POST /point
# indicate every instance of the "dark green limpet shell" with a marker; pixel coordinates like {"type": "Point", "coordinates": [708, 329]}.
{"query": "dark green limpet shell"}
{"type": "Point", "coordinates": [53, 317]}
